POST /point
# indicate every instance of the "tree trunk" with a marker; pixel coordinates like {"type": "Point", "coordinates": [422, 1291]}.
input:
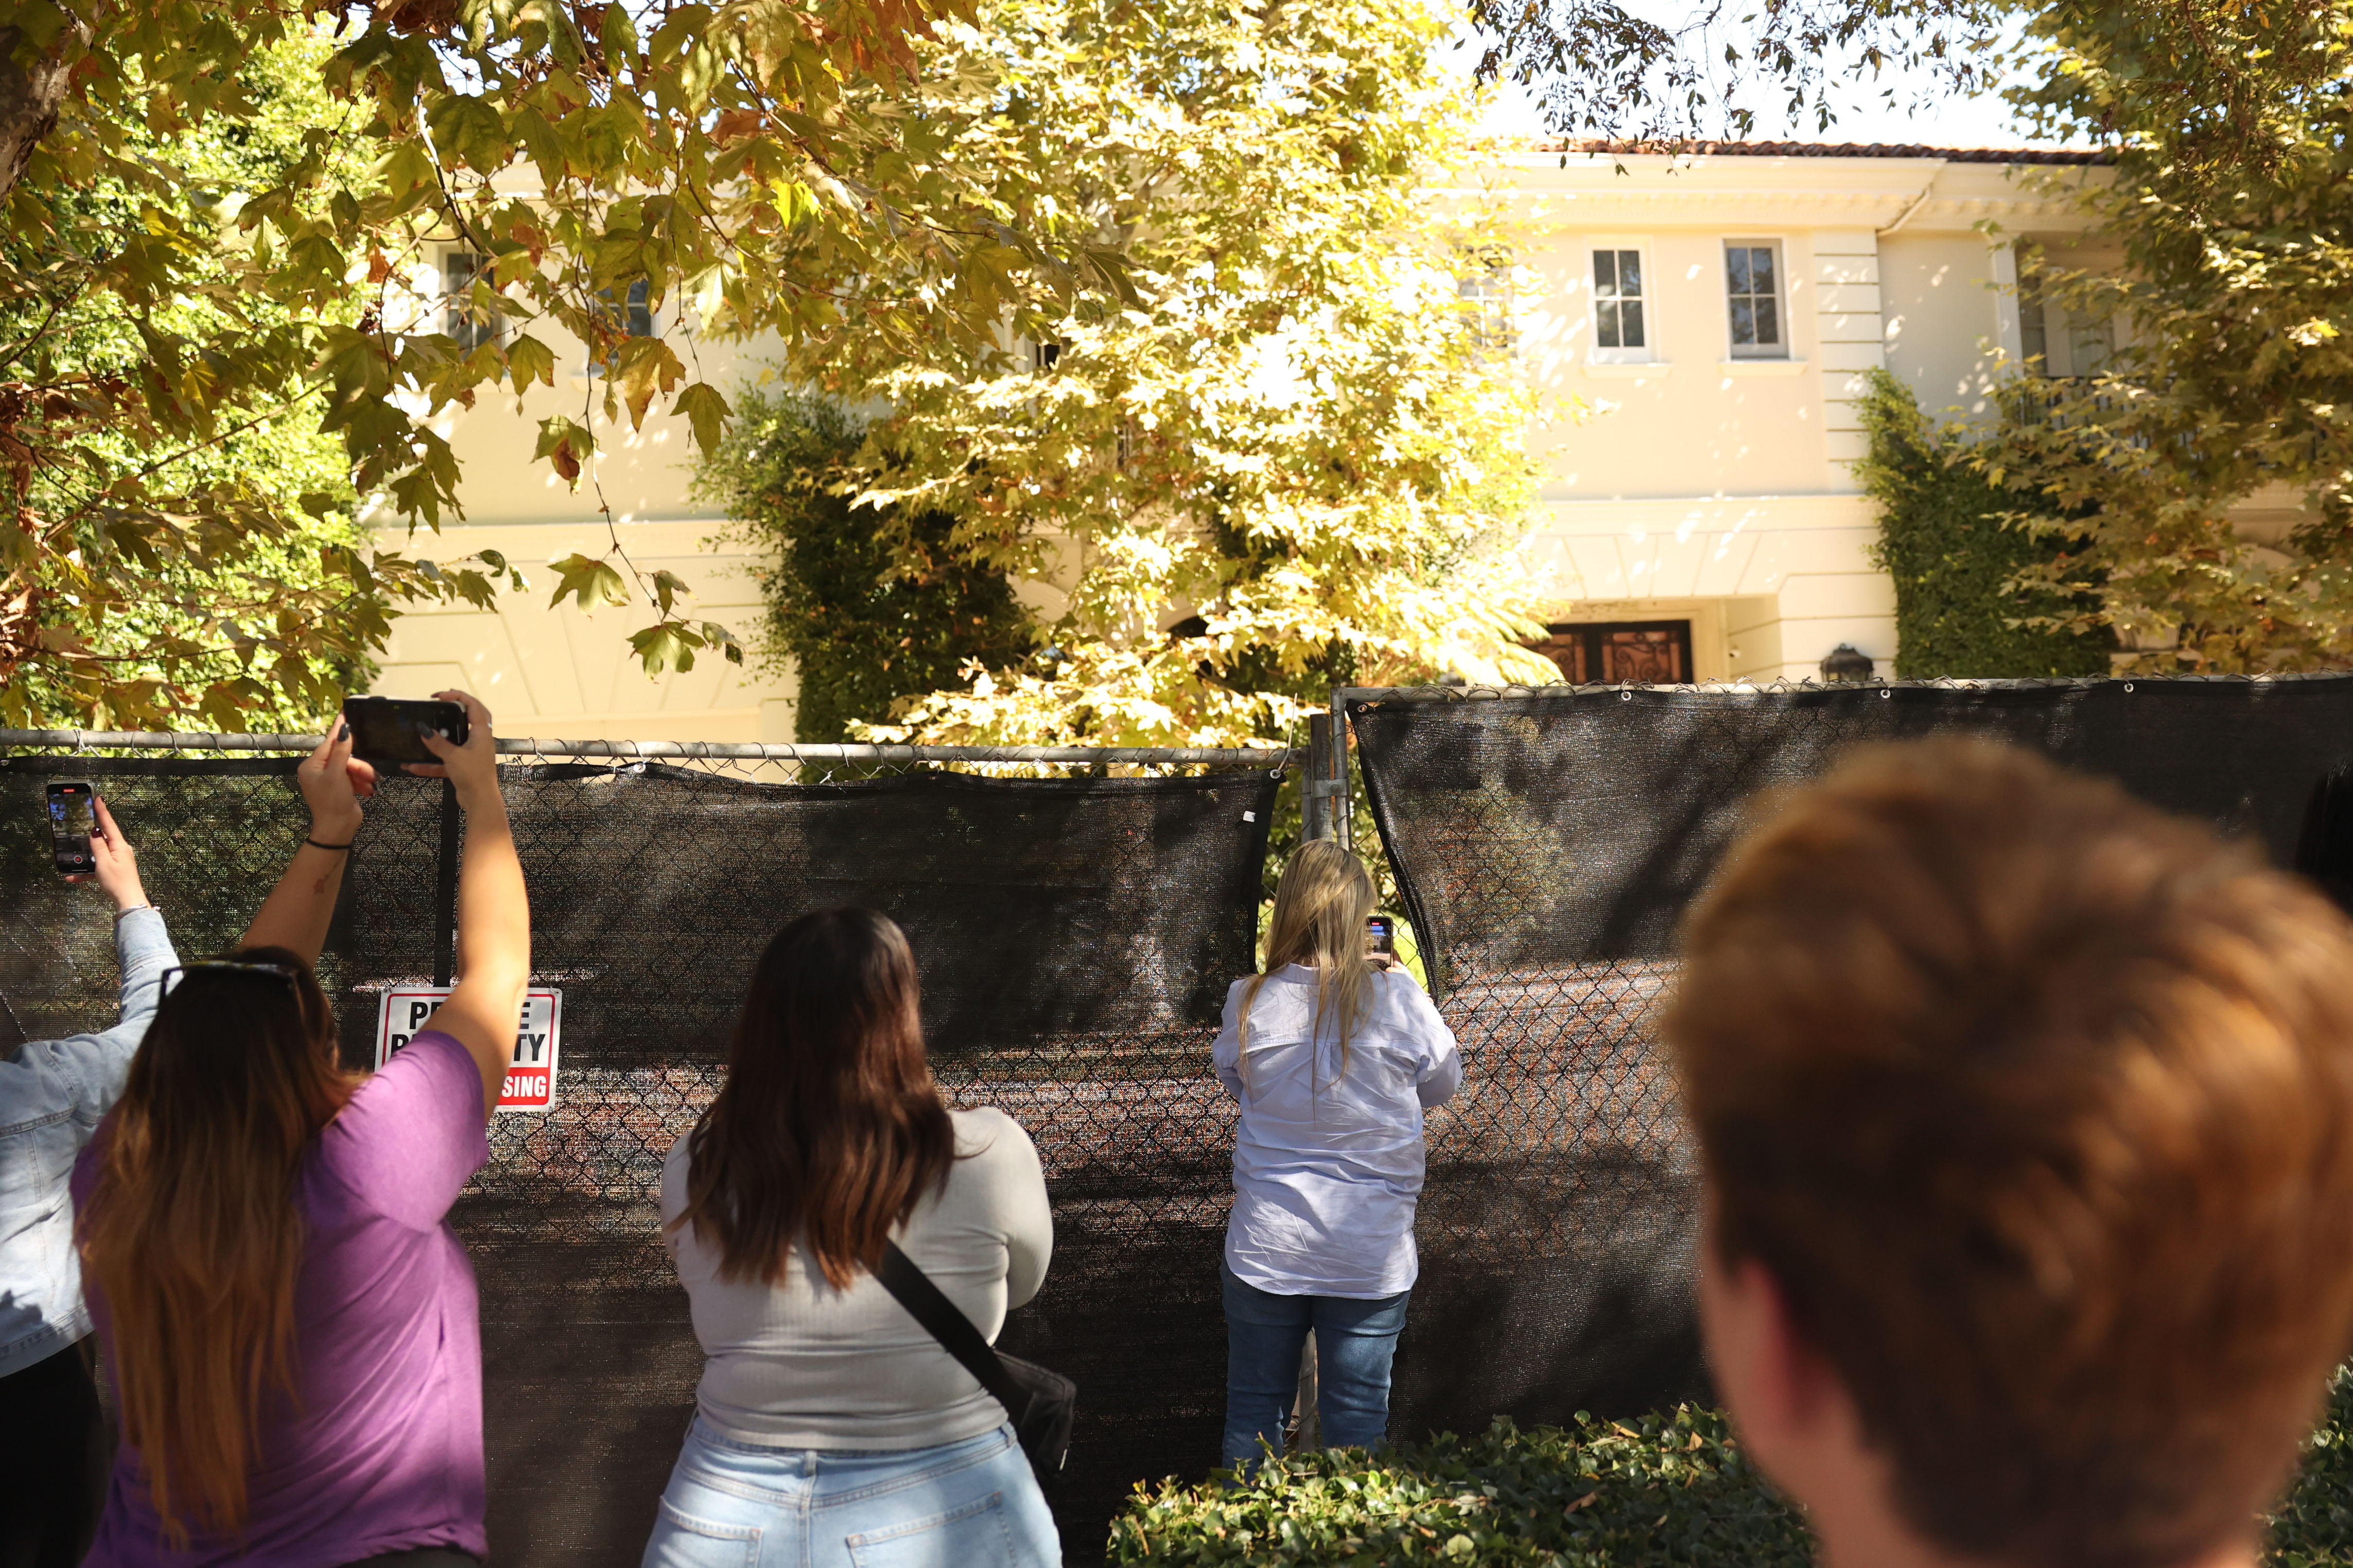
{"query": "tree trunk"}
{"type": "Point", "coordinates": [30, 93]}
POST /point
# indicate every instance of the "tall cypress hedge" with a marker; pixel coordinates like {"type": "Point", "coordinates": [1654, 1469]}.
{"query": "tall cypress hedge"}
{"type": "Point", "coordinates": [1941, 538]}
{"type": "Point", "coordinates": [870, 607]}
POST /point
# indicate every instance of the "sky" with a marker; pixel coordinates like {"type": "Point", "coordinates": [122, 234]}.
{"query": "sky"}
{"type": "Point", "coordinates": [1923, 113]}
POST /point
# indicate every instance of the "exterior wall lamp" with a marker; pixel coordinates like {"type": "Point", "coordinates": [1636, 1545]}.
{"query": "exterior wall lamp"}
{"type": "Point", "coordinates": [1846, 663]}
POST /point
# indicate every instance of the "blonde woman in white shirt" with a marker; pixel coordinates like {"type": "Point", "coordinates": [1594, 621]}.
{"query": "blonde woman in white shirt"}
{"type": "Point", "coordinates": [1332, 1060]}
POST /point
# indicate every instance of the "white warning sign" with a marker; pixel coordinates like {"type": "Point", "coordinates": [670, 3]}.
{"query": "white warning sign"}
{"type": "Point", "coordinates": [531, 1075]}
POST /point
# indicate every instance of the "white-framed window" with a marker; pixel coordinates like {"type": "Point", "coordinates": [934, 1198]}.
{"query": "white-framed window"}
{"type": "Point", "coordinates": [2068, 345]}
{"type": "Point", "coordinates": [462, 317]}
{"type": "Point", "coordinates": [1625, 328]}
{"type": "Point", "coordinates": [631, 314]}
{"type": "Point", "coordinates": [637, 313]}
{"type": "Point", "coordinates": [2034, 321]}
{"type": "Point", "coordinates": [1485, 288]}
{"type": "Point", "coordinates": [1753, 301]}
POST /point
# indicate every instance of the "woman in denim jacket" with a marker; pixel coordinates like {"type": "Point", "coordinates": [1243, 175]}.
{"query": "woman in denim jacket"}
{"type": "Point", "coordinates": [52, 1093]}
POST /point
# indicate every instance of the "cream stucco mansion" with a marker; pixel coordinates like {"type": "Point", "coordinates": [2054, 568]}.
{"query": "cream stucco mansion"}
{"type": "Point", "coordinates": [1713, 312]}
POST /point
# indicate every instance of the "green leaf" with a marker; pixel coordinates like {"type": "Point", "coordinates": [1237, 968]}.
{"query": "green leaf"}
{"type": "Point", "coordinates": [707, 411]}
{"type": "Point", "coordinates": [719, 636]}
{"type": "Point", "coordinates": [645, 366]}
{"type": "Point", "coordinates": [665, 645]}
{"type": "Point", "coordinates": [529, 360]}
{"type": "Point", "coordinates": [567, 446]}
{"type": "Point", "coordinates": [619, 36]}
{"type": "Point", "coordinates": [406, 165]}
{"type": "Point", "coordinates": [587, 580]}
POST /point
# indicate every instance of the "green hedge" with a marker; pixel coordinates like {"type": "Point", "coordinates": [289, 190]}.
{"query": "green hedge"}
{"type": "Point", "coordinates": [870, 607]}
{"type": "Point", "coordinates": [1665, 1489]}
{"type": "Point", "coordinates": [1941, 540]}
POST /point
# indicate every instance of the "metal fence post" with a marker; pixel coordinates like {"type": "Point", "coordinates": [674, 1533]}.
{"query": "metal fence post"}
{"type": "Point", "coordinates": [445, 891]}
{"type": "Point", "coordinates": [1315, 780]}
{"type": "Point", "coordinates": [1344, 814]}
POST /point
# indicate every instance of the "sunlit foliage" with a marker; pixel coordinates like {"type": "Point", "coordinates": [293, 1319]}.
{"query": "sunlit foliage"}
{"type": "Point", "coordinates": [1292, 456]}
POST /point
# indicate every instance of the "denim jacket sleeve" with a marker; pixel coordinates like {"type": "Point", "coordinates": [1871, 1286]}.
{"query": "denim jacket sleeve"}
{"type": "Point", "coordinates": [97, 1064]}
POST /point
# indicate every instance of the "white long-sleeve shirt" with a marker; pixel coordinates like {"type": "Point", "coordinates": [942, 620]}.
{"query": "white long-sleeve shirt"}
{"type": "Point", "coordinates": [799, 1364]}
{"type": "Point", "coordinates": [1329, 1164]}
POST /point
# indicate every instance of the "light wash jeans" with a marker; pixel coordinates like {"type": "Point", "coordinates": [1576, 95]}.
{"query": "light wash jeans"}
{"type": "Point", "coordinates": [1355, 1345]}
{"type": "Point", "coordinates": [973, 1504]}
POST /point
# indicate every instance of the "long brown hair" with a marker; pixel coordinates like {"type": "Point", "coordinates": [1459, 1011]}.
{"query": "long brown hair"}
{"type": "Point", "coordinates": [191, 1233]}
{"type": "Point", "coordinates": [828, 1128]}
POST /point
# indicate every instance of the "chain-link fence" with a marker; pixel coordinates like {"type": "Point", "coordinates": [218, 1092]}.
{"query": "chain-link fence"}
{"type": "Point", "coordinates": [1547, 842]}
{"type": "Point", "coordinates": [1076, 929]}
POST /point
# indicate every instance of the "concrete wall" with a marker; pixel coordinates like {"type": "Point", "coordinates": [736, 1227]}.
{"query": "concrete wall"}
{"type": "Point", "coordinates": [1719, 489]}
{"type": "Point", "coordinates": [1697, 486]}
{"type": "Point", "coordinates": [560, 672]}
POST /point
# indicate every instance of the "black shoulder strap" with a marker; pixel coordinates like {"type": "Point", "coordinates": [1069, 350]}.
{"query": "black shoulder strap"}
{"type": "Point", "coordinates": [929, 1306]}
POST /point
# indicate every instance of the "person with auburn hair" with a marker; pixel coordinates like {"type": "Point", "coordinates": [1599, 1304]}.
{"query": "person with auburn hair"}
{"type": "Point", "coordinates": [831, 1429]}
{"type": "Point", "coordinates": [2026, 1114]}
{"type": "Point", "coordinates": [1333, 1058]}
{"type": "Point", "coordinates": [291, 1324]}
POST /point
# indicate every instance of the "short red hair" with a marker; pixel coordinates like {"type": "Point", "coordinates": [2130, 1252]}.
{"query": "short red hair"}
{"type": "Point", "coordinates": [2038, 1104]}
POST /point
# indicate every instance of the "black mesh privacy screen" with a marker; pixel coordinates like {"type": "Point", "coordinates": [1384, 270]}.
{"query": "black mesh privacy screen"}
{"type": "Point", "coordinates": [1546, 846]}
{"type": "Point", "coordinates": [1075, 939]}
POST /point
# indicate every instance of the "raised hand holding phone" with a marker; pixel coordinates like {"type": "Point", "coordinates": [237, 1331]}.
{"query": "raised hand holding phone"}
{"type": "Point", "coordinates": [473, 763]}
{"type": "Point", "coordinates": [99, 844]}
{"type": "Point", "coordinates": [296, 913]}
{"type": "Point", "coordinates": [118, 863]}
{"type": "Point", "coordinates": [494, 913]}
{"type": "Point", "coordinates": [333, 782]}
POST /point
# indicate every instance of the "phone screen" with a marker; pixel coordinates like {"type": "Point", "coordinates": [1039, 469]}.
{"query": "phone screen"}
{"type": "Point", "coordinates": [1380, 934]}
{"type": "Point", "coordinates": [71, 823]}
{"type": "Point", "coordinates": [385, 730]}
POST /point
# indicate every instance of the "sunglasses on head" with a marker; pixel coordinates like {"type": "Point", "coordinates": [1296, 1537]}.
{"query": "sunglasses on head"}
{"type": "Point", "coordinates": [226, 967]}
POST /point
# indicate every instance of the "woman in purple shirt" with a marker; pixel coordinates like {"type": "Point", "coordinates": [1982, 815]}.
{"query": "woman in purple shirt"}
{"type": "Point", "coordinates": [291, 1322]}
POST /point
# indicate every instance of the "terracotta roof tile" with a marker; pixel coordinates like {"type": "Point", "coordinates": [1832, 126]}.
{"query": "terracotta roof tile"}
{"type": "Point", "coordinates": [1829, 150]}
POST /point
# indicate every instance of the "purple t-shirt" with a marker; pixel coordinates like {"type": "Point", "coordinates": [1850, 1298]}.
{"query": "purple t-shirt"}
{"type": "Point", "coordinates": [383, 1450]}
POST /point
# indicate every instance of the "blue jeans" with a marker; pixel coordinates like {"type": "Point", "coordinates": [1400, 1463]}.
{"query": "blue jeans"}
{"type": "Point", "coordinates": [1354, 1343]}
{"type": "Point", "coordinates": [971, 1503]}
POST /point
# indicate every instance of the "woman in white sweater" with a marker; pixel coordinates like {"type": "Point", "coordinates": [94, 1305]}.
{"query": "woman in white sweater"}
{"type": "Point", "coordinates": [830, 1430]}
{"type": "Point", "coordinates": [1334, 1059]}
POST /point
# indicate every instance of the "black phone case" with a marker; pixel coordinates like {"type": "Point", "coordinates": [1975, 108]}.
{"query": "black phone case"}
{"type": "Point", "coordinates": [384, 729]}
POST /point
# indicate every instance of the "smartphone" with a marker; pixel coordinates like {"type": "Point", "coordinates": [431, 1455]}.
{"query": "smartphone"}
{"type": "Point", "coordinates": [1380, 936]}
{"type": "Point", "coordinates": [390, 729]}
{"type": "Point", "coordinates": [72, 821]}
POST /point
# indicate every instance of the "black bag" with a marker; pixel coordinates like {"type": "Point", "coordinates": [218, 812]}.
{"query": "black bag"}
{"type": "Point", "coordinates": [1039, 1401]}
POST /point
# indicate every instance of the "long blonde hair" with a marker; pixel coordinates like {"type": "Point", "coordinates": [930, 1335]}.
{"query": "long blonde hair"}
{"type": "Point", "coordinates": [1321, 904]}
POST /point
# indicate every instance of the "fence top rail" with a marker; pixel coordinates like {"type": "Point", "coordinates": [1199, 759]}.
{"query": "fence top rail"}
{"type": "Point", "coordinates": [1203, 756]}
{"type": "Point", "coordinates": [1343, 695]}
